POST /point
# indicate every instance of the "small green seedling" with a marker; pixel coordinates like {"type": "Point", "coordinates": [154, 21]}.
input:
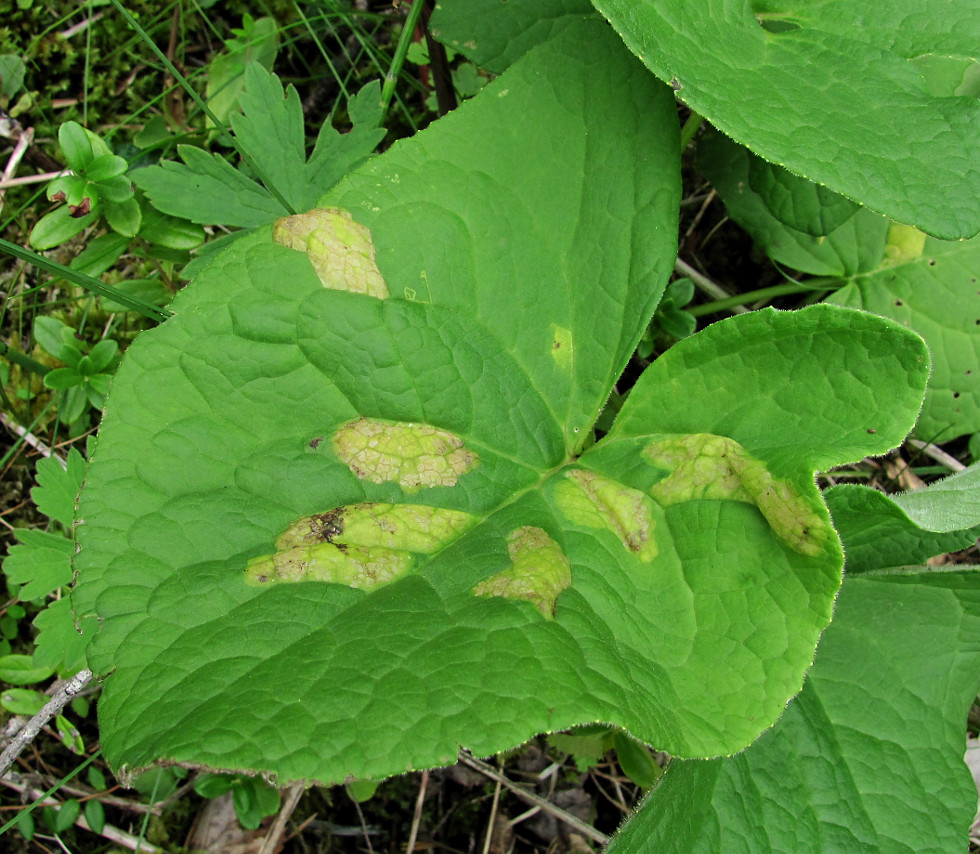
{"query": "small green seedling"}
{"type": "Point", "coordinates": [252, 797]}
{"type": "Point", "coordinates": [84, 380]}
{"type": "Point", "coordinates": [97, 186]}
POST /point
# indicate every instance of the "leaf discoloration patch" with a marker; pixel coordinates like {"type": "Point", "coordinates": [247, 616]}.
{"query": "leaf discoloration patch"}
{"type": "Point", "coordinates": [360, 545]}
{"type": "Point", "coordinates": [594, 501]}
{"type": "Point", "coordinates": [412, 455]}
{"type": "Point", "coordinates": [705, 466]}
{"type": "Point", "coordinates": [539, 571]}
{"type": "Point", "coordinates": [355, 566]}
{"type": "Point", "coordinates": [561, 347]}
{"type": "Point", "coordinates": [340, 249]}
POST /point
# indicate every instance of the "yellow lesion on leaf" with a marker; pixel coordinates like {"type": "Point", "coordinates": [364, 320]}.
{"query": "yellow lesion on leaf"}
{"type": "Point", "coordinates": [340, 249]}
{"type": "Point", "coordinates": [561, 347]}
{"type": "Point", "coordinates": [594, 501]}
{"type": "Point", "coordinates": [539, 571]}
{"type": "Point", "coordinates": [360, 545]}
{"type": "Point", "coordinates": [905, 243]}
{"type": "Point", "coordinates": [705, 466]}
{"type": "Point", "coordinates": [412, 455]}
{"type": "Point", "coordinates": [363, 568]}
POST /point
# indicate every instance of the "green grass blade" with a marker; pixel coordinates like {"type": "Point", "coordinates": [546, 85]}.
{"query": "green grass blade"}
{"type": "Point", "coordinates": [87, 282]}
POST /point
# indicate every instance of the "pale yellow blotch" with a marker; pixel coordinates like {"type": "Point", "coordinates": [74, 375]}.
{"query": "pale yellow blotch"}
{"type": "Point", "coordinates": [406, 527]}
{"type": "Point", "coordinates": [904, 244]}
{"type": "Point", "coordinates": [539, 571]}
{"type": "Point", "coordinates": [594, 501]}
{"type": "Point", "coordinates": [412, 455]}
{"type": "Point", "coordinates": [561, 347]}
{"type": "Point", "coordinates": [363, 568]}
{"type": "Point", "coordinates": [339, 248]}
{"type": "Point", "coordinates": [360, 545]}
{"type": "Point", "coordinates": [705, 466]}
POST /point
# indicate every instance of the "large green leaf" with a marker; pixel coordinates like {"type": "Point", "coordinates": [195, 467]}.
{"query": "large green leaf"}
{"type": "Point", "coordinates": [309, 417]}
{"type": "Point", "coordinates": [830, 91]}
{"type": "Point", "coordinates": [868, 758]}
{"type": "Point", "coordinates": [929, 285]}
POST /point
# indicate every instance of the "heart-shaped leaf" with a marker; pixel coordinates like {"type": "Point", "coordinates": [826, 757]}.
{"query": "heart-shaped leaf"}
{"type": "Point", "coordinates": [339, 521]}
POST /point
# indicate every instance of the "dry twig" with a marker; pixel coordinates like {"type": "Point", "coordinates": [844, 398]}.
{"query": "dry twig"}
{"type": "Point", "coordinates": [274, 837]}
{"type": "Point", "coordinates": [562, 815]}
{"type": "Point", "coordinates": [35, 724]}
{"type": "Point", "coordinates": [417, 816]}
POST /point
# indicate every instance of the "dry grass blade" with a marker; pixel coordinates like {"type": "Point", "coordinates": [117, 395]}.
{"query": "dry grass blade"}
{"type": "Point", "coordinates": [585, 829]}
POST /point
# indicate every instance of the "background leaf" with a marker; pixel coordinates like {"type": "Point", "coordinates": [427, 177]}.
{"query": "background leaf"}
{"type": "Point", "coordinates": [869, 757]}
{"type": "Point", "coordinates": [57, 486]}
{"type": "Point", "coordinates": [856, 246]}
{"type": "Point", "coordinates": [59, 644]}
{"type": "Point", "coordinates": [879, 534]}
{"type": "Point", "coordinates": [206, 189]}
{"type": "Point", "coordinates": [41, 562]}
{"type": "Point", "coordinates": [271, 132]}
{"type": "Point", "coordinates": [846, 89]}
{"type": "Point", "coordinates": [926, 284]}
{"type": "Point", "coordinates": [494, 34]}
{"type": "Point", "coordinates": [951, 504]}
{"type": "Point", "coordinates": [933, 291]}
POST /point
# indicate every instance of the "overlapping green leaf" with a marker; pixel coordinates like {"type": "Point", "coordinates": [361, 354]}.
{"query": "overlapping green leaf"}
{"type": "Point", "coordinates": [894, 271]}
{"type": "Point", "coordinates": [828, 90]}
{"type": "Point", "coordinates": [797, 202]}
{"type": "Point", "coordinates": [880, 534]}
{"type": "Point", "coordinates": [494, 34]}
{"type": "Point", "coordinates": [932, 287]}
{"type": "Point", "coordinates": [952, 504]}
{"type": "Point", "coordinates": [519, 262]}
{"type": "Point", "coordinates": [869, 757]}
{"type": "Point", "coordinates": [855, 246]}
{"type": "Point", "coordinates": [206, 189]}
